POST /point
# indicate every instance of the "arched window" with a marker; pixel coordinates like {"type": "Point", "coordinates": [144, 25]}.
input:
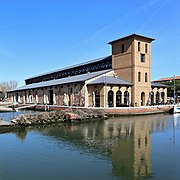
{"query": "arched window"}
{"type": "Point", "coordinates": [157, 98]}
{"type": "Point", "coordinates": [139, 76]}
{"type": "Point", "coordinates": [146, 48]}
{"type": "Point", "coordinates": [139, 46]}
{"type": "Point", "coordinates": [146, 77]}
{"type": "Point", "coordinates": [118, 98]}
{"type": "Point", "coordinates": [152, 97]}
{"type": "Point", "coordinates": [110, 98]}
{"type": "Point", "coordinates": [97, 98]}
{"type": "Point", "coordinates": [161, 97]}
{"type": "Point", "coordinates": [126, 97]}
{"type": "Point", "coordinates": [142, 99]}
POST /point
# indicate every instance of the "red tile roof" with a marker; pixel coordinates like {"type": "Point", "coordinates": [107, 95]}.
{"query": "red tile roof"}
{"type": "Point", "coordinates": [167, 79]}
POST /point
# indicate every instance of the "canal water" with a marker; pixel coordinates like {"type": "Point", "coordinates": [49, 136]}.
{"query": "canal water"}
{"type": "Point", "coordinates": [8, 116]}
{"type": "Point", "coordinates": [140, 147]}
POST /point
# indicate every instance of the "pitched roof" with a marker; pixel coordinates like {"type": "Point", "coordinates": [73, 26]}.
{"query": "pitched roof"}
{"type": "Point", "coordinates": [74, 66]}
{"type": "Point", "coordinates": [168, 79]}
{"type": "Point", "coordinates": [153, 84]}
{"type": "Point", "coordinates": [67, 80]}
{"type": "Point", "coordinates": [110, 80]}
{"type": "Point", "coordinates": [133, 36]}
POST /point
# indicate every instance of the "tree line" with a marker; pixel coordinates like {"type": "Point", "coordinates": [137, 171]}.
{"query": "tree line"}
{"type": "Point", "coordinates": [6, 86]}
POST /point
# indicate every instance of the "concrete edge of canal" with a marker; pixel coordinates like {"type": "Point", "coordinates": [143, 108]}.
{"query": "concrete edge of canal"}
{"type": "Point", "coordinates": [110, 111]}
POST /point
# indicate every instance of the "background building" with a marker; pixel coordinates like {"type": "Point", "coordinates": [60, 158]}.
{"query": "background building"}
{"type": "Point", "coordinates": [173, 88]}
{"type": "Point", "coordinates": [1, 94]}
{"type": "Point", "coordinates": [122, 79]}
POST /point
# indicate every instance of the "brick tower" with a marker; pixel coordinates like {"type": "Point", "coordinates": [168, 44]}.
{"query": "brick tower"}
{"type": "Point", "coordinates": [131, 61]}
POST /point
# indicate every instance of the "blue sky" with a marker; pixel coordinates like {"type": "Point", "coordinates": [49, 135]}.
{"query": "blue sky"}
{"type": "Point", "coordinates": [38, 36]}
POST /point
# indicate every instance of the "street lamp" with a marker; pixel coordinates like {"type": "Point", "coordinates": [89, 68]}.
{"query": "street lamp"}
{"type": "Point", "coordinates": [174, 90]}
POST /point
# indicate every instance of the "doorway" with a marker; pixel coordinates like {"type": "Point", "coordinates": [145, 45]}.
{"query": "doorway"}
{"type": "Point", "coordinates": [97, 98]}
{"type": "Point", "coordinates": [118, 98]}
{"type": "Point", "coordinates": [51, 97]}
{"type": "Point", "coordinates": [126, 98]}
{"type": "Point", "coordinates": [142, 99]}
{"type": "Point", "coordinates": [157, 98]}
{"type": "Point", "coordinates": [110, 98]}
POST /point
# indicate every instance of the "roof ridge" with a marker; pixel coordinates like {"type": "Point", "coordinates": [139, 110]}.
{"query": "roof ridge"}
{"type": "Point", "coordinates": [72, 66]}
{"type": "Point", "coordinates": [66, 80]}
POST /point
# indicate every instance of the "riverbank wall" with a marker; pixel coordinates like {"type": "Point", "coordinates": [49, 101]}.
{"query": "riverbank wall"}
{"type": "Point", "coordinates": [110, 111]}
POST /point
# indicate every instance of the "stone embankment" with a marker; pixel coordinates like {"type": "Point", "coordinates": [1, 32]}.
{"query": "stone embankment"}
{"type": "Point", "coordinates": [67, 116]}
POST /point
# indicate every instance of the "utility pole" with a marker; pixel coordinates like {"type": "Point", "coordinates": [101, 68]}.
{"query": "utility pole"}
{"type": "Point", "coordinates": [174, 91]}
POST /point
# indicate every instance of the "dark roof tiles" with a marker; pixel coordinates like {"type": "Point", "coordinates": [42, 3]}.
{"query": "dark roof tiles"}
{"type": "Point", "coordinates": [153, 84]}
{"type": "Point", "coordinates": [132, 36]}
{"type": "Point", "coordinates": [110, 80]}
{"type": "Point", "coordinates": [67, 80]}
{"type": "Point", "coordinates": [74, 66]}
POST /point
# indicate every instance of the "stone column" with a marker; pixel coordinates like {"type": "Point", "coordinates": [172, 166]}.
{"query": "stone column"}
{"type": "Point", "coordinates": [54, 98]}
{"type": "Point", "coordinates": [114, 99]}
{"type": "Point", "coordinates": [165, 95]}
{"type": "Point", "coordinates": [129, 91]}
{"type": "Point", "coordinates": [27, 98]}
{"type": "Point", "coordinates": [122, 91]}
{"type": "Point", "coordinates": [155, 91]}
{"type": "Point", "coordinates": [106, 89]}
{"type": "Point", "coordinates": [122, 97]}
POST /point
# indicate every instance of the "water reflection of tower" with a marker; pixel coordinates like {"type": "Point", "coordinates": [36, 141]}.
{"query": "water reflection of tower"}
{"type": "Point", "coordinates": [176, 124]}
{"type": "Point", "coordinates": [131, 157]}
{"type": "Point", "coordinates": [142, 144]}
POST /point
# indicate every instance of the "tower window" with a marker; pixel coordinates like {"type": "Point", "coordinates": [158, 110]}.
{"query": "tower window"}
{"type": "Point", "coordinates": [139, 46]}
{"type": "Point", "coordinates": [146, 48]}
{"type": "Point", "coordinates": [146, 78]}
{"type": "Point", "coordinates": [122, 48]}
{"type": "Point", "coordinates": [139, 76]}
{"type": "Point", "coordinates": [142, 58]}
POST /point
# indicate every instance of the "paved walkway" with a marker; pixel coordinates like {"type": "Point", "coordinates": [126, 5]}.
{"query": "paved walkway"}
{"type": "Point", "coordinates": [5, 123]}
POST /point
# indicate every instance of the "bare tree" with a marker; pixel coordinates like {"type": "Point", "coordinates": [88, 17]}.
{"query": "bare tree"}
{"type": "Point", "coordinates": [6, 86]}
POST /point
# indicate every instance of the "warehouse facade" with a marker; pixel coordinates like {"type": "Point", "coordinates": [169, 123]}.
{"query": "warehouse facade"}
{"type": "Point", "coordinates": [121, 79]}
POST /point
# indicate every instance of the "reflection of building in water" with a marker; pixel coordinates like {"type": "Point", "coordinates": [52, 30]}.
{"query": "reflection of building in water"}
{"type": "Point", "coordinates": [176, 122]}
{"type": "Point", "coordinates": [125, 141]}
{"type": "Point", "coordinates": [131, 154]}
{"type": "Point", "coordinates": [142, 146]}
{"type": "Point", "coordinates": [21, 133]}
